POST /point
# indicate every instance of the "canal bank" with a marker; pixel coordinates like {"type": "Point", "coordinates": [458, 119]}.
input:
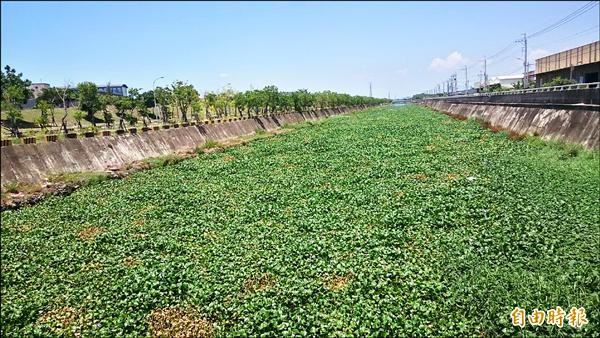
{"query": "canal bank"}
{"type": "Point", "coordinates": [572, 116]}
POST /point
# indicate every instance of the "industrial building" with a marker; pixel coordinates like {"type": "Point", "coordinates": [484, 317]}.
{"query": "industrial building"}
{"type": "Point", "coordinates": [37, 89]}
{"type": "Point", "coordinates": [120, 90]}
{"type": "Point", "coordinates": [581, 64]}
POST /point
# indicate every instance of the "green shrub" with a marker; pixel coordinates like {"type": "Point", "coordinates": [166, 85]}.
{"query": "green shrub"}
{"type": "Point", "coordinates": [79, 178]}
{"type": "Point", "coordinates": [161, 161]}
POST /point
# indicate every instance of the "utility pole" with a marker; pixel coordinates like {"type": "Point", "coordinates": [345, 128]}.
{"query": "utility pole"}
{"type": "Point", "coordinates": [370, 90]}
{"type": "Point", "coordinates": [466, 79]}
{"type": "Point", "coordinates": [154, 94]}
{"type": "Point", "coordinates": [485, 78]}
{"type": "Point", "coordinates": [455, 82]}
{"type": "Point", "coordinates": [525, 64]}
{"type": "Point", "coordinates": [454, 85]}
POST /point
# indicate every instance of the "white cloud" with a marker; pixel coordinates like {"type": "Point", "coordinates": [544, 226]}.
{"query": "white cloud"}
{"type": "Point", "coordinates": [450, 62]}
{"type": "Point", "coordinates": [223, 75]}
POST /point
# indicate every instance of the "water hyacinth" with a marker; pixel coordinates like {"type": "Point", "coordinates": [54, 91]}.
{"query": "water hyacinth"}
{"type": "Point", "coordinates": [393, 221]}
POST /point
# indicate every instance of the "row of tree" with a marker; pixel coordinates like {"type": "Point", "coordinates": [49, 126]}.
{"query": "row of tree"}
{"type": "Point", "coordinates": [179, 101]}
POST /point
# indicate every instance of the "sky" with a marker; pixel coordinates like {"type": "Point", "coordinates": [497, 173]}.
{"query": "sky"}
{"type": "Point", "coordinates": [401, 48]}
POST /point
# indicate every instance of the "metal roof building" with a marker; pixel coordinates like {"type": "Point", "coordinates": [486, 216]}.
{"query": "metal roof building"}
{"type": "Point", "coordinates": [581, 64]}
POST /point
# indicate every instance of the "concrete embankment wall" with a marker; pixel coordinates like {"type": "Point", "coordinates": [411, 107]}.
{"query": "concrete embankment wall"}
{"type": "Point", "coordinates": [585, 96]}
{"type": "Point", "coordinates": [573, 124]}
{"type": "Point", "coordinates": [31, 163]}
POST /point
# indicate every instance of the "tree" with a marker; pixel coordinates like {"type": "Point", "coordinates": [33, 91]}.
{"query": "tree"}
{"type": "Point", "coordinates": [42, 120]}
{"type": "Point", "coordinates": [78, 115]}
{"type": "Point", "coordinates": [87, 92]}
{"type": "Point", "coordinates": [106, 101]}
{"type": "Point", "coordinates": [11, 98]}
{"type": "Point", "coordinates": [20, 91]}
{"type": "Point", "coordinates": [65, 94]}
{"type": "Point", "coordinates": [197, 109]}
{"type": "Point", "coordinates": [15, 92]}
{"type": "Point", "coordinates": [49, 95]}
{"type": "Point", "coordinates": [559, 81]}
{"type": "Point", "coordinates": [210, 101]}
{"type": "Point", "coordinates": [122, 104]}
{"type": "Point", "coordinates": [140, 104]}
{"type": "Point", "coordinates": [184, 95]}
{"type": "Point", "coordinates": [270, 98]}
{"type": "Point", "coordinates": [148, 98]}
{"type": "Point", "coordinates": [302, 100]}
{"type": "Point", "coordinates": [240, 101]}
{"type": "Point", "coordinates": [163, 100]}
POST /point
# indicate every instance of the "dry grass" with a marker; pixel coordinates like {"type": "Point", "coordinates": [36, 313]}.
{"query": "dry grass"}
{"type": "Point", "coordinates": [228, 158]}
{"type": "Point", "coordinates": [421, 177]}
{"type": "Point", "coordinates": [130, 261]}
{"type": "Point", "coordinates": [335, 283]}
{"type": "Point", "coordinates": [139, 222]}
{"type": "Point", "coordinates": [64, 321]}
{"type": "Point", "coordinates": [516, 136]}
{"type": "Point", "coordinates": [451, 177]}
{"type": "Point", "coordinates": [210, 235]}
{"type": "Point", "coordinates": [262, 282]}
{"type": "Point", "coordinates": [89, 233]}
{"type": "Point", "coordinates": [178, 322]}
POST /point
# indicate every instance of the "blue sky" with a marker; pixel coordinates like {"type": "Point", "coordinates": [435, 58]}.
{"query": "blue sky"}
{"type": "Point", "coordinates": [401, 47]}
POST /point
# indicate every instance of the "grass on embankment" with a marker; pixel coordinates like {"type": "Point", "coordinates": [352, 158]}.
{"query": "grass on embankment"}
{"type": "Point", "coordinates": [394, 220]}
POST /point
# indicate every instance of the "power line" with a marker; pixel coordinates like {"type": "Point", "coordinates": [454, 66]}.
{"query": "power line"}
{"type": "Point", "coordinates": [582, 10]}
{"type": "Point", "coordinates": [582, 33]}
{"type": "Point", "coordinates": [566, 19]}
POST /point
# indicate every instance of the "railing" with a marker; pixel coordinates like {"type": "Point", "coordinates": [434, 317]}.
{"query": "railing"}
{"type": "Point", "coordinates": [576, 86]}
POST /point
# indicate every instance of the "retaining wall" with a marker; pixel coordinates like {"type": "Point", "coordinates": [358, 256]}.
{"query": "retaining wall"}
{"type": "Point", "coordinates": [578, 96]}
{"type": "Point", "coordinates": [31, 163]}
{"type": "Point", "coordinates": [575, 124]}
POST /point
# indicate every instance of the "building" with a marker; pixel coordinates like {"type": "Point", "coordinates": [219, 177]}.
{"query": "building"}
{"type": "Point", "coordinates": [38, 88]}
{"type": "Point", "coordinates": [581, 64]}
{"type": "Point", "coordinates": [505, 81]}
{"type": "Point", "coordinates": [115, 90]}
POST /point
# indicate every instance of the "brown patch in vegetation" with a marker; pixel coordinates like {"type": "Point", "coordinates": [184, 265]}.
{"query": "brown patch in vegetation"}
{"type": "Point", "coordinates": [178, 322]}
{"type": "Point", "coordinates": [421, 177]}
{"type": "Point", "coordinates": [327, 186]}
{"type": "Point", "coordinates": [430, 148]}
{"type": "Point", "coordinates": [228, 158]}
{"type": "Point", "coordinates": [23, 227]}
{"type": "Point", "coordinates": [335, 283]}
{"type": "Point", "coordinates": [400, 194]}
{"type": "Point", "coordinates": [61, 321]}
{"type": "Point", "coordinates": [140, 235]}
{"type": "Point", "coordinates": [89, 233]}
{"type": "Point", "coordinates": [489, 125]}
{"type": "Point", "coordinates": [516, 136]}
{"type": "Point", "coordinates": [210, 235]}
{"type": "Point", "coordinates": [456, 116]}
{"type": "Point", "coordinates": [451, 177]}
{"type": "Point", "coordinates": [130, 261]}
{"type": "Point", "coordinates": [495, 129]}
{"type": "Point", "coordinates": [262, 282]}
{"type": "Point", "coordinates": [92, 266]}
{"type": "Point", "coordinates": [139, 222]}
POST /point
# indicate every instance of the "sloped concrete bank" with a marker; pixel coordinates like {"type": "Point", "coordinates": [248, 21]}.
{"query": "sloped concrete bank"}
{"type": "Point", "coordinates": [32, 163]}
{"type": "Point", "coordinates": [572, 123]}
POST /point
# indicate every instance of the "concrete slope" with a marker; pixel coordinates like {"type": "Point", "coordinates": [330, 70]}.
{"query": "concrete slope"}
{"type": "Point", "coordinates": [572, 124]}
{"type": "Point", "coordinates": [32, 163]}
